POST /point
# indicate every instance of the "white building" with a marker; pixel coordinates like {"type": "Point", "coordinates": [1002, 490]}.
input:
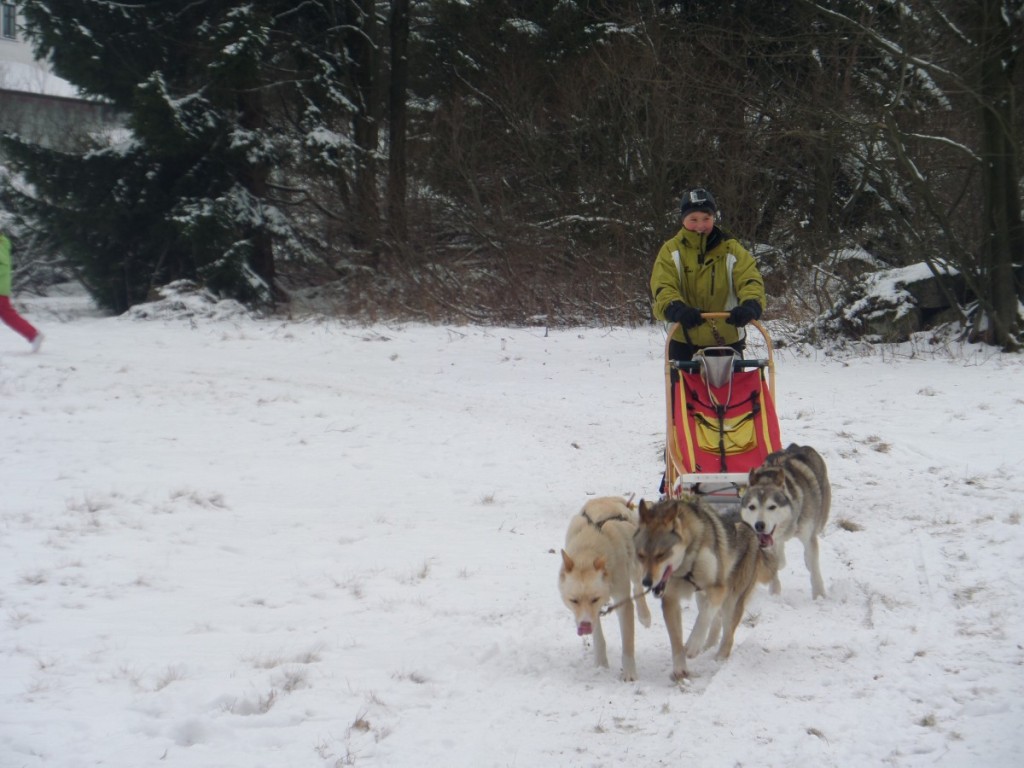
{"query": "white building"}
{"type": "Point", "coordinates": [19, 70]}
{"type": "Point", "coordinates": [34, 102]}
{"type": "Point", "coordinates": [11, 43]}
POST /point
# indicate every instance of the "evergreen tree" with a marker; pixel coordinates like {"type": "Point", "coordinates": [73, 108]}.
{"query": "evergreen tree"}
{"type": "Point", "coordinates": [221, 98]}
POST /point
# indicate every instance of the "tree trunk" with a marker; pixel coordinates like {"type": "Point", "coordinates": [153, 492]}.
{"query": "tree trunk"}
{"type": "Point", "coordinates": [255, 177]}
{"type": "Point", "coordinates": [398, 111]}
{"type": "Point", "coordinates": [362, 41]}
{"type": "Point", "coordinates": [1003, 244]}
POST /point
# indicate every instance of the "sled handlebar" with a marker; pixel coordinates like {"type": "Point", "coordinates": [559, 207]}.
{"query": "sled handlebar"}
{"type": "Point", "coordinates": [693, 366]}
{"type": "Point", "coordinates": [756, 325]}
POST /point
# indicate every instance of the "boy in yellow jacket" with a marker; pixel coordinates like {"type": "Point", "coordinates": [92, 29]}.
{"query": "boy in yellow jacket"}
{"type": "Point", "coordinates": [8, 313]}
{"type": "Point", "coordinates": [704, 269]}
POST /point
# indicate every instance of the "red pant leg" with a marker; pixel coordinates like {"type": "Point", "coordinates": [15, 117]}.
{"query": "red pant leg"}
{"type": "Point", "coordinates": [11, 317]}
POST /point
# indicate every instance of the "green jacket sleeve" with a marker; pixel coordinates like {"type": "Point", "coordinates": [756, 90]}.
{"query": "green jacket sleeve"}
{"type": "Point", "coordinates": [746, 277]}
{"type": "Point", "coordinates": [665, 283]}
{"type": "Point", "coordinates": [5, 266]}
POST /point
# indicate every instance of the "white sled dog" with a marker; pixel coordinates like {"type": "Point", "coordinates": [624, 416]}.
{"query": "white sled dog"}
{"type": "Point", "coordinates": [599, 565]}
{"type": "Point", "coordinates": [686, 548]}
{"type": "Point", "coordinates": [790, 496]}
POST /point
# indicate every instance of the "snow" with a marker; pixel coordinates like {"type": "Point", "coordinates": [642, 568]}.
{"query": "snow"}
{"type": "Point", "coordinates": [525, 26]}
{"type": "Point", "coordinates": [34, 77]}
{"type": "Point", "coordinates": [233, 541]}
{"type": "Point", "coordinates": [888, 284]}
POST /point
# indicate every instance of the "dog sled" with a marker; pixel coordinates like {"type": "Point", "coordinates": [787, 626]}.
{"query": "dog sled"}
{"type": "Point", "coordinates": [721, 419]}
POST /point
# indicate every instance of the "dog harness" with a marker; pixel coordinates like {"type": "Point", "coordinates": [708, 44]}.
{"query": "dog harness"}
{"type": "Point", "coordinates": [617, 518]}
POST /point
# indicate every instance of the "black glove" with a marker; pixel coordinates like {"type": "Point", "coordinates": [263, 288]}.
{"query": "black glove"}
{"type": "Point", "coordinates": [744, 313]}
{"type": "Point", "coordinates": [685, 315]}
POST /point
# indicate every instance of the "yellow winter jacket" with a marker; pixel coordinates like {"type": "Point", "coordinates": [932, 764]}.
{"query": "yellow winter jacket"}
{"type": "Point", "coordinates": [713, 274]}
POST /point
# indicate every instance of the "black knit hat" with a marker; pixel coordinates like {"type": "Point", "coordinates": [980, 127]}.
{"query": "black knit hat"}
{"type": "Point", "coordinates": [698, 199]}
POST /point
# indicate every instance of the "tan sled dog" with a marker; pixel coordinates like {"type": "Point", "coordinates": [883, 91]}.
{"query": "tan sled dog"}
{"type": "Point", "coordinates": [684, 548]}
{"type": "Point", "coordinates": [599, 565]}
{"type": "Point", "coordinates": [790, 496]}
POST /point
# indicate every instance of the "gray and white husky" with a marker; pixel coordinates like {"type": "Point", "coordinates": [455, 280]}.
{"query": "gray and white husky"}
{"type": "Point", "coordinates": [790, 496]}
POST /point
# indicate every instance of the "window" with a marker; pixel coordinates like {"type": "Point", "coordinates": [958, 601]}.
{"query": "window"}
{"type": "Point", "coordinates": [8, 21]}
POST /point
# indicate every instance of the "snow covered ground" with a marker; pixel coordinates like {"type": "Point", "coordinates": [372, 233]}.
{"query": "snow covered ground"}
{"type": "Point", "coordinates": [227, 541]}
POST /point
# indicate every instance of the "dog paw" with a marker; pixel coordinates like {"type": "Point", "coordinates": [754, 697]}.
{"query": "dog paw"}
{"type": "Point", "coordinates": [645, 618]}
{"type": "Point", "coordinates": [628, 675]}
{"type": "Point", "coordinates": [679, 675]}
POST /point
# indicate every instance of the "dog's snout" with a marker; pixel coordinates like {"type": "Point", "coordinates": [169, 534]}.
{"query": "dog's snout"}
{"type": "Point", "coordinates": [759, 526]}
{"type": "Point", "coordinates": [647, 581]}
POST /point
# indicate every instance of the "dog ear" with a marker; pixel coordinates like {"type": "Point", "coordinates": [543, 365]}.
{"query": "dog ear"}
{"type": "Point", "coordinates": [644, 511]}
{"type": "Point", "coordinates": [599, 564]}
{"type": "Point", "coordinates": [567, 562]}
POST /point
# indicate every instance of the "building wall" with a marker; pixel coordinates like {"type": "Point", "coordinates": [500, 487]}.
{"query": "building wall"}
{"type": "Point", "coordinates": [54, 121]}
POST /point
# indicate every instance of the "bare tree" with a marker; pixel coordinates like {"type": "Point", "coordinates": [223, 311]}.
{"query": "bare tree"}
{"type": "Point", "coordinates": [998, 32]}
{"type": "Point", "coordinates": [960, 168]}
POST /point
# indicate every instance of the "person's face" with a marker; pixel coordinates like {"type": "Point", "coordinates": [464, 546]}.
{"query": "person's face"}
{"type": "Point", "coordinates": [699, 221]}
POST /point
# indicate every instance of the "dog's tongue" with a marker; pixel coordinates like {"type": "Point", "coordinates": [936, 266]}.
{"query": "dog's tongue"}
{"type": "Point", "coordinates": [584, 628]}
{"type": "Point", "coordinates": [765, 540]}
{"type": "Point", "coordinates": [660, 586]}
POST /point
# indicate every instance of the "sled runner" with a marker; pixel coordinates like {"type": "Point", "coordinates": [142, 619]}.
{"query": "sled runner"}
{"type": "Point", "coordinates": [721, 419]}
